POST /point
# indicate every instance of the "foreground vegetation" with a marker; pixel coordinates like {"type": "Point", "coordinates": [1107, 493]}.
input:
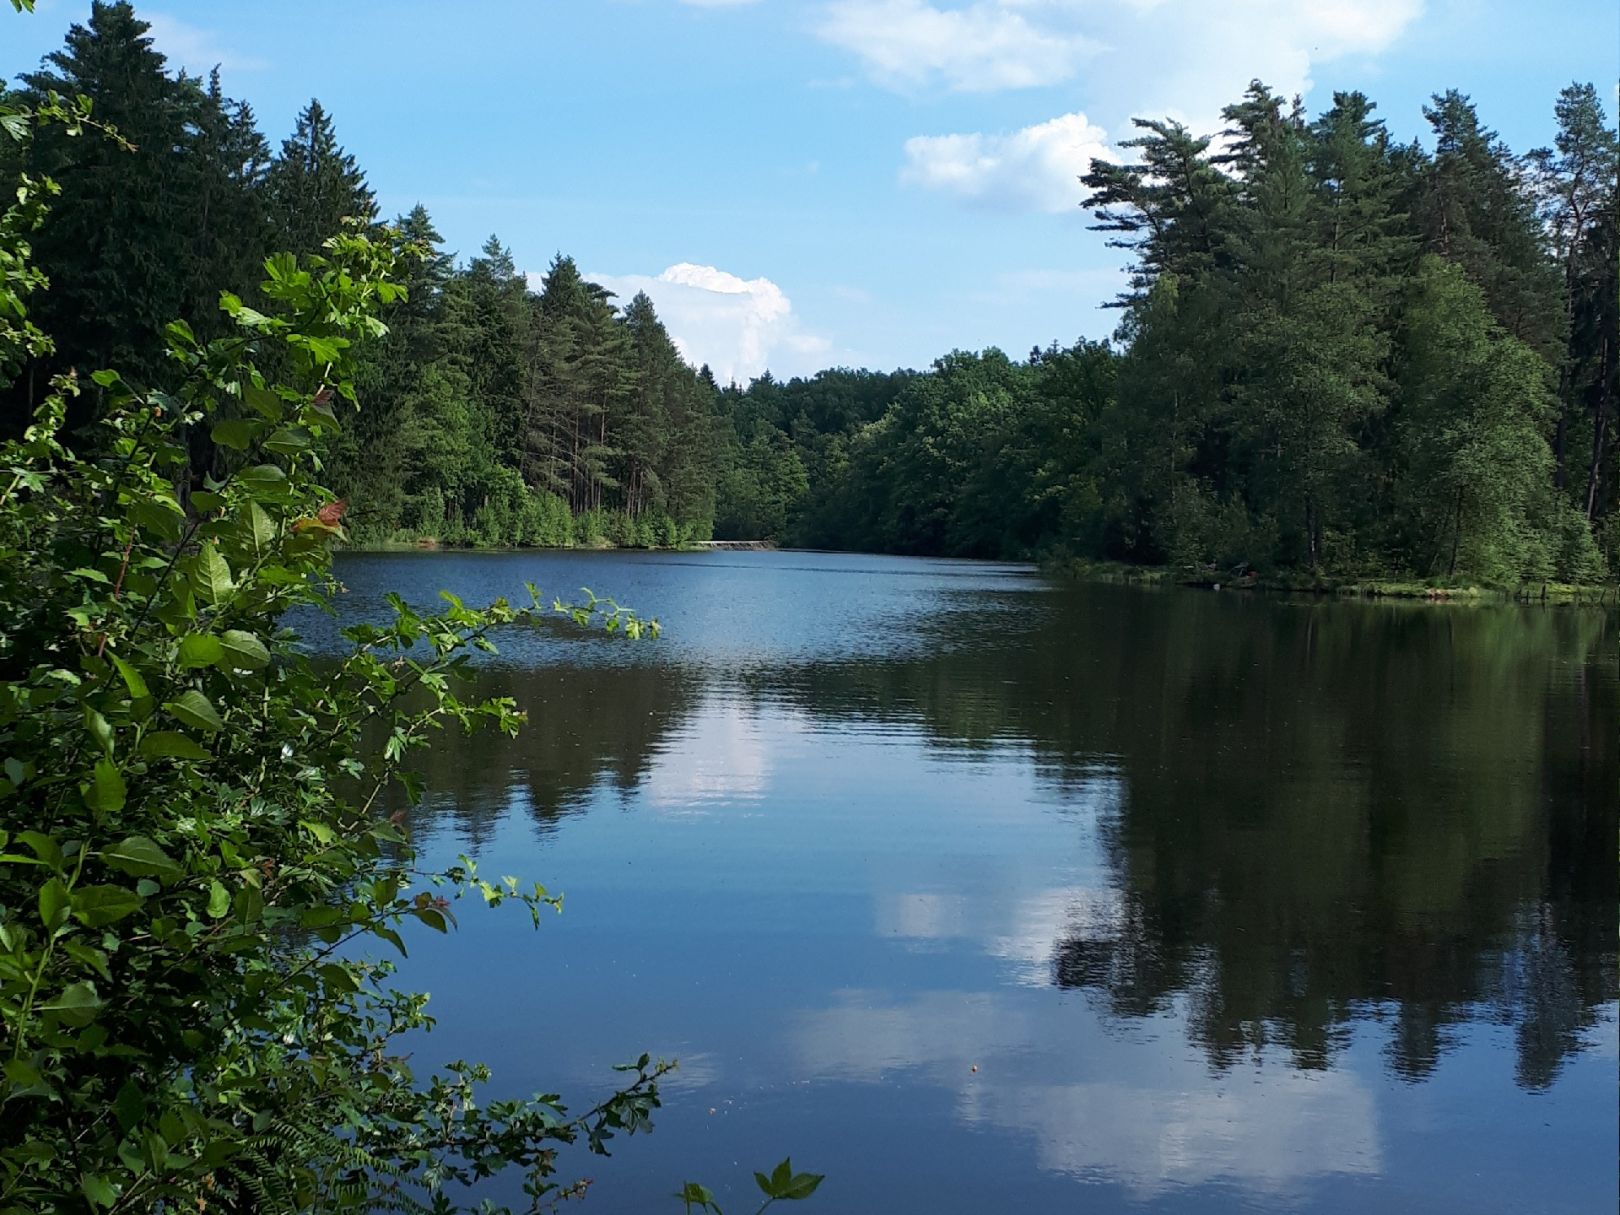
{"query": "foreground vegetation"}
{"type": "Point", "coordinates": [203, 857]}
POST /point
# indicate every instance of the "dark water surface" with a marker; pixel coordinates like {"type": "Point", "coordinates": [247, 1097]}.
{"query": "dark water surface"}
{"type": "Point", "coordinates": [980, 893]}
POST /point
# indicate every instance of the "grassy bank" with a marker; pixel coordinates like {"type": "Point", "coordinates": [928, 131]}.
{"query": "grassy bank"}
{"type": "Point", "coordinates": [1432, 590]}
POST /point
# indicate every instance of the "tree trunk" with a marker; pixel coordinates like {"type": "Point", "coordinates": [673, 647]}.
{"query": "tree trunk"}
{"type": "Point", "coordinates": [1600, 426]}
{"type": "Point", "coordinates": [1456, 534]}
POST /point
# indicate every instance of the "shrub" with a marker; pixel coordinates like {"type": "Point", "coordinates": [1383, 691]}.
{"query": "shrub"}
{"type": "Point", "coordinates": [191, 836]}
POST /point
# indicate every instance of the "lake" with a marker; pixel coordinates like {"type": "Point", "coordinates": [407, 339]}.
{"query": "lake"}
{"type": "Point", "coordinates": [980, 892]}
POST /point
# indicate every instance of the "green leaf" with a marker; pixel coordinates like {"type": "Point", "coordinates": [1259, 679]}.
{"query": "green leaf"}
{"type": "Point", "coordinates": [200, 650]}
{"type": "Point", "coordinates": [170, 744]}
{"type": "Point", "coordinates": [248, 904]}
{"type": "Point", "coordinates": [152, 516]}
{"type": "Point", "coordinates": [99, 730]}
{"type": "Point", "coordinates": [262, 478]}
{"type": "Point", "coordinates": [261, 527]}
{"type": "Point", "coordinates": [129, 1105]}
{"type": "Point", "coordinates": [288, 441]}
{"type": "Point", "coordinates": [265, 402]}
{"type": "Point", "coordinates": [785, 1184]}
{"type": "Point", "coordinates": [243, 651]}
{"type": "Point", "coordinates": [140, 857]}
{"type": "Point", "coordinates": [212, 576]}
{"type": "Point", "coordinates": [693, 1194]}
{"type": "Point", "coordinates": [42, 846]}
{"type": "Point", "coordinates": [432, 917]}
{"type": "Point", "coordinates": [236, 433]}
{"type": "Point", "coordinates": [105, 791]}
{"type": "Point", "coordinates": [27, 1079]}
{"type": "Point", "coordinates": [219, 899]}
{"type": "Point", "coordinates": [53, 904]}
{"type": "Point", "coordinates": [95, 906]}
{"type": "Point", "coordinates": [132, 679]}
{"type": "Point", "coordinates": [194, 709]}
{"type": "Point", "coordinates": [802, 1186]}
{"type": "Point", "coordinates": [76, 1004]}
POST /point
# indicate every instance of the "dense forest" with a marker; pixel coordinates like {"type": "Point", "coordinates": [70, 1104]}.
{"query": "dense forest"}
{"type": "Point", "coordinates": [1338, 352]}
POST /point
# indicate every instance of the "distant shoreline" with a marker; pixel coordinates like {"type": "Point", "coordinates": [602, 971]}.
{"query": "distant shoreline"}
{"type": "Point", "coordinates": [1431, 591]}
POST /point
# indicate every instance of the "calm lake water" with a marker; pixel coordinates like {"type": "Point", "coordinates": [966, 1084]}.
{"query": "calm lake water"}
{"type": "Point", "coordinates": [982, 893]}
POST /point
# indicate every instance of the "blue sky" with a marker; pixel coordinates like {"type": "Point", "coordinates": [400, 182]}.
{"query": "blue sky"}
{"type": "Point", "coordinates": [804, 183]}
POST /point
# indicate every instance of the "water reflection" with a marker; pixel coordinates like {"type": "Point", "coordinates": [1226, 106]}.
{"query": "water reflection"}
{"type": "Point", "coordinates": [1325, 813]}
{"type": "Point", "coordinates": [1226, 899]}
{"type": "Point", "coordinates": [1150, 1131]}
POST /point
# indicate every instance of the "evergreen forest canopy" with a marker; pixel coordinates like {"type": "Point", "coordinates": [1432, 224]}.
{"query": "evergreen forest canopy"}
{"type": "Point", "coordinates": [1337, 352]}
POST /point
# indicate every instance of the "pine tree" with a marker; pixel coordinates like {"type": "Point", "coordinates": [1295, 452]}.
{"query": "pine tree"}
{"type": "Point", "coordinates": [119, 250]}
{"type": "Point", "coordinates": [315, 185]}
{"type": "Point", "coordinates": [498, 297]}
{"type": "Point", "coordinates": [1473, 202]}
{"type": "Point", "coordinates": [229, 226]}
{"type": "Point", "coordinates": [1575, 179]}
{"type": "Point", "coordinates": [653, 405]}
{"type": "Point", "coordinates": [1165, 207]}
{"type": "Point", "coordinates": [373, 463]}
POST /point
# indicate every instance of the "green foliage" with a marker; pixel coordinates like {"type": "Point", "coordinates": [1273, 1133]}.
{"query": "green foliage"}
{"type": "Point", "coordinates": [196, 866]}
{"type": "Point", "coordinates": [783, 1185]}
{"type": "Point", "coordinates": [183, 883]}
{"type": "Point", "coordinates": [1338, 358]}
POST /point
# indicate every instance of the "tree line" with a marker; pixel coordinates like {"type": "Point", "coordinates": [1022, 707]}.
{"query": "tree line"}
{"type": "Point", "coordinates": [492, 413]}
{"type": "Point", "coordinates": [1338, 352]}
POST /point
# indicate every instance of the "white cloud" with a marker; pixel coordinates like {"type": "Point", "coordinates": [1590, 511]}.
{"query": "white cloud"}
{"type": "Point", "coordinates": [908, 44]}
{"type": "Point", "coordinates": [721, 760]}
{"type": "Point", "coordinates": [1151, 1119]}
{"type": "Point", "coordinates": [1204, 55]}
{"type": "Point", "coordinates": [739, 327]}
{"type": "Point", "coordinates": [1036, 168]}
{"type": "Point", "coordinates": [196, 49]}
{"type": "Point", "coordinates": [1182, 58]}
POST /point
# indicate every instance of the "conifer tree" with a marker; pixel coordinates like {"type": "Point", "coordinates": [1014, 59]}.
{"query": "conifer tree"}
{"type": "Point", "coordinates": [315, 185]}
{"type": "Point", "coordinates": [1575, 179]}
{"type": "Point", "coordinates": [120, 253]}
{"type": "Point", "coordinates": [1474, 205]}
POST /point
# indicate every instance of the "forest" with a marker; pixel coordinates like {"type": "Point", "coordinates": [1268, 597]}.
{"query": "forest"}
{"type": "Point", "coordinates": [1338, 352]}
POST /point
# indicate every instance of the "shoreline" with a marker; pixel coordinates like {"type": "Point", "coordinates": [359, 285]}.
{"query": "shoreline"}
{"type": "Point", "coordinates": [429, 544]}
{"type": "Point", "coordinates": [1409, 589]}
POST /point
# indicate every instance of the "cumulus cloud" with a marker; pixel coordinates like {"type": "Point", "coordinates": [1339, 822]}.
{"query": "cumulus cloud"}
{"type": "Point", "coordinates": [197, 50]}
{"type": "Point", "coordinates": [1204, 55]}
{"type": "Point", "coordinates": [739, 327]}
{"type": "Point", "coordinates": [1155, 1121]}
{"type": "Point", "coordinates": [1035, 168]}
{"type": "Point", "coordinates": [1184, 58]}
{"type": "Point", "coordinates": [908, 44]}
